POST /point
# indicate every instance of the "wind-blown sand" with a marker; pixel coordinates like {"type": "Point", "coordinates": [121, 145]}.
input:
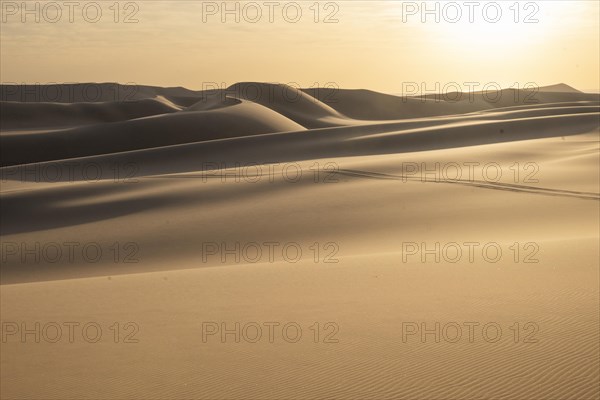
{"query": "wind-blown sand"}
{"type": "Point", "coordinates": [339, 173]}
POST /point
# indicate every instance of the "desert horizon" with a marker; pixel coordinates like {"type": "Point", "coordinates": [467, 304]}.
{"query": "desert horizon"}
{"type": "Point", "coordinates": [314, 200]}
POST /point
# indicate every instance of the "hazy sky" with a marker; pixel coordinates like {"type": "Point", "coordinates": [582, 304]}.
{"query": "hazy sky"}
{"type": "Point", "coordinates": [354, 44]}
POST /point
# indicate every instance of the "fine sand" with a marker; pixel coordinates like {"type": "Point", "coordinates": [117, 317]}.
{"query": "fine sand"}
{"type": "Point", "coordinates": [350, 182]}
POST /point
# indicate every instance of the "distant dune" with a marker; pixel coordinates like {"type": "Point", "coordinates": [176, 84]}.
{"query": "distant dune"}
{"type": "Point", "coordinates": [559, 88]}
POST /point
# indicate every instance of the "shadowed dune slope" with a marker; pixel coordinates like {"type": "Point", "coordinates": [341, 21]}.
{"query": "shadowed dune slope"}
{"type": "Point", "coordinates": [245, 118]}
{"type": "Point", "coordinates": [17, 115]}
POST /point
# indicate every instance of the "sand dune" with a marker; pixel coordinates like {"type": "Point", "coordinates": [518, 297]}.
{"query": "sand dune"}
{"type": "Point", "coordinates": [47, 115]}
{"type": "Point", "coordinates": [174, 169]}
{"type": "Point", "coordinates": [369, 105]}
{"type": "Point", "coordinates": [296, 145]}
{"type": "Point", "coordinates": [291, 102]}
{"type": "Point", "coordinates": [560, 88]}
{"type": "Point", "coordinates": [243, 118]}
{"type": "Point", "coordinates": [241, 110]}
